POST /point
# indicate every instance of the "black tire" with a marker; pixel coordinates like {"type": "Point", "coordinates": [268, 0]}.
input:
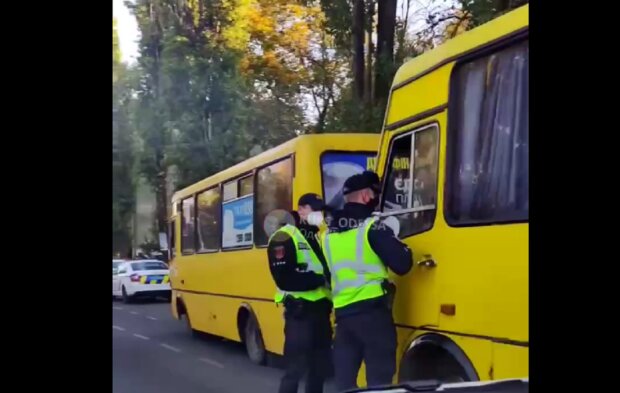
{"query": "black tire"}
{"type": "Point", "coordinates": [431, 365]}
{"type": "Point", "coordinates": [253, 341]}
{"type": "Point", "coordinates": [188, 324]}
{"type": "Point", "coordinates": [126, 298]}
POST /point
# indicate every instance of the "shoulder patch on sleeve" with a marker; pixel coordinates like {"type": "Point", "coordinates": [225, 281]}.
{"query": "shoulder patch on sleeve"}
{"type": "Point", "coordinates": [279, 252]}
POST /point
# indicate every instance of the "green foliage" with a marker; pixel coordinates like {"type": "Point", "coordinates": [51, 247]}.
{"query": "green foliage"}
{"type": "Point", "coordinates": [218, 79]}
{"type": "Point", "coordinates": [483, 11]}
{"type": "Point", "coordinates": [338, 15]}
{"type": "Point", "coordinates": [350, 115]}
{"type": "Point", "coordinates": [122, 150]}
{"type": "Point", "coordinates": [116, 50]}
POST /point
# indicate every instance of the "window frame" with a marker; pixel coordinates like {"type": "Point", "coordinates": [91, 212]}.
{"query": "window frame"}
{"type": "Point", "coordinates": [182, 214]}
{"type": "Point", "coordinates": [336, 151]}
{"type": "Point", "coordinates": [237, 179]}
{"type": "Point", "coordinates": [410, 132]}
{"type": "Point", "coordinates": [254, 173]}
{"type": "Point", "coordinates": [251, 174]}
{"type": "Point", "coordinates": [220, 188]}
{"type": "Point", "coordinates": [227, 182]}
{"type": "Point", "coordinates": [256, 195]}
{"type": "Point", "coordinates": [451, 132]}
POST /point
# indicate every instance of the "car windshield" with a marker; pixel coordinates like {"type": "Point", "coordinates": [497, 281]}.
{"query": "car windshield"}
{"type": "Point", "coordinates": [115, 265]}
{"type": "Point", "coordinates": [149, 265]}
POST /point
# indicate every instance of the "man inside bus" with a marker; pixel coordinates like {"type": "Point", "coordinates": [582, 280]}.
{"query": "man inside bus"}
{"type": "Point", "coordinates": [300, 273]}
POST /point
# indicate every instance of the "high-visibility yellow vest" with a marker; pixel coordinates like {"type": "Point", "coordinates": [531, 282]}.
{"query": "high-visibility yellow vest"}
{"type": "Point", "coordinates": [357, 271]}
{"type": "Point", "coordinates": [305, 255]}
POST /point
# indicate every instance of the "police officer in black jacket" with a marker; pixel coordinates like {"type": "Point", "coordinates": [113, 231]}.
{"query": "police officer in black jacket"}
{"type": "Point", "coordinates": [300, 273]}
{"type": "Point", "coordinates": [365, 329]}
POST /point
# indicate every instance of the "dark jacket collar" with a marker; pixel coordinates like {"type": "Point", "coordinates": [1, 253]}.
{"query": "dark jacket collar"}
{"type": "Point", "coordinates": [351, 216]}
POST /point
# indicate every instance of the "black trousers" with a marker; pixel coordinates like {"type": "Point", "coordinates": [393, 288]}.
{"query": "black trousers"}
{"type": "Point", "coordinates": [307, 349]}
{"type": "Point", "coordinates": [369, 336]}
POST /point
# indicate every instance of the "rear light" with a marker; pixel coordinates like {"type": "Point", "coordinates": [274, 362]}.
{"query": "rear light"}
{"type": "Point", "coordinates": [134, 277]}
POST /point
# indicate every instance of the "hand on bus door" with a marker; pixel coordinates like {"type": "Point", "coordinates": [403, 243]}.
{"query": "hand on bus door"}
{"type": "Point", "coordinates": [392, 223]}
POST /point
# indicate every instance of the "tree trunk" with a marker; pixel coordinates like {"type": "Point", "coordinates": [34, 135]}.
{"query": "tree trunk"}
{"type": "Point", "coordinates": [358, 49]}
{"type": "Point", "coordinates": [158, 182]}
{"type": "Point", "coordinates": [400, 54]}
{"type": "Point", "coordinates": [385, 48]}
{"type": "Point", "coordinates": [369, 54]}
{"type": "Point", "coordinates": [161, 197]}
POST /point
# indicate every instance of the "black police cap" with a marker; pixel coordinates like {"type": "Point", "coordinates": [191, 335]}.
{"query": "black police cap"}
{"type": "Point", "coordinates": [360, 181]}
{"type": "Point", "coordinates": [314, 200]}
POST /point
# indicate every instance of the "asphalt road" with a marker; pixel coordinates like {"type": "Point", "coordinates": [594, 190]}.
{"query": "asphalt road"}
{"type": "Point", "coordinates": [154, 353]}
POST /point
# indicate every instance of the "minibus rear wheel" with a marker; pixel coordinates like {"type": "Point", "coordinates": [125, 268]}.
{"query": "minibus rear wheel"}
{"type": "Point", "coordinates": [253, 341]}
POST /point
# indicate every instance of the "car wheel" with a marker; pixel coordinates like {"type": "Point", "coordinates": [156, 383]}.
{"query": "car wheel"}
{"type": "Point", "coordinates": [126, 297]}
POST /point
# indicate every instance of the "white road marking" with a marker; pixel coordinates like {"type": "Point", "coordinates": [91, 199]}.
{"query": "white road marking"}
{"type": "Point", "coordinates": [212, 362]}
{"type": "Point", "coordinates": [134, 312]}
{"type": "Point", "coordinates": [122, 329]}
{"type": "Point", "coordinates": [117, 308]}
{"type": "Point", "coordinates": [152, 318]}
{"type": "Point", "coordinates": [141, 336]}
{"type": "Point", "coordinates": [170, 347]}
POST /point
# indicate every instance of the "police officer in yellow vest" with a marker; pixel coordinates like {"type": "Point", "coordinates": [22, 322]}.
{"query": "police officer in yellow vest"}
{"type": "Point", "coordinates": [359, 250]}
{"type": "Point", "coordinates": [299, 270]}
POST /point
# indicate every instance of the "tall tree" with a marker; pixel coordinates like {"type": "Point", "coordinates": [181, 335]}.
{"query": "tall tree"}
{"type": "Point", "coordinates": [370, 51]}
{"type": "Point", "coordinates": [483, 11]}
{"type": "Point", "coordinates": [385, 48]}
{"type": "Point", "coordinates": [358, 48]}
{"type": "Point", "coordinates": [150, 123]}
{"type": "Point", "coordinates": [210, 71]}
{"type": "Point", "coordinates": [122, 152]}
{"type": "Point", "coordinates": [220, 79]}
{"type": "Point", "coordinates": [116, 49]}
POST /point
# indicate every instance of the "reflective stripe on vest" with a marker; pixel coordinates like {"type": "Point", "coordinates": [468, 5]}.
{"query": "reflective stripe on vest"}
{"type": "Point", "coordinates": [307, 256]}
{"type": "Point", "coordinates": [366, 265]}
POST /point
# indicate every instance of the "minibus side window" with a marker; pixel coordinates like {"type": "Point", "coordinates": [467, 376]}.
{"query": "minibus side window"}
{"type": "Point", "coordinates": [246, 186]}
{"type": "Point", "coordinates": [238, 213]}
{"type": "Point", "coordinates": [274, 191]}
{"type": "Point", "coordinates": [208, 220]}
{"type": "Point", "coordinates": [188, 228]}
{"type": "Point", "coordinates": [488, 140]}
{"type": "Point", "coordinates": [230, 190]}
{"type": "Point", "coordinates": [410, 187]}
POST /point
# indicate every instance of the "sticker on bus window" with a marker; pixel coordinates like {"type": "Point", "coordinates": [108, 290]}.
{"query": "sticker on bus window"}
{"type": "Point", "coordinates": [237, 223]}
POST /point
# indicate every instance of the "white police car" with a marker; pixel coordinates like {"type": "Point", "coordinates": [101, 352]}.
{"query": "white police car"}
{"type": "Point", "coordinates": [143, 278]}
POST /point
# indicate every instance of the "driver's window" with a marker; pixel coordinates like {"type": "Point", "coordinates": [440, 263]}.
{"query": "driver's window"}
{"type": "Point", "coordinates": [410, 189]}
